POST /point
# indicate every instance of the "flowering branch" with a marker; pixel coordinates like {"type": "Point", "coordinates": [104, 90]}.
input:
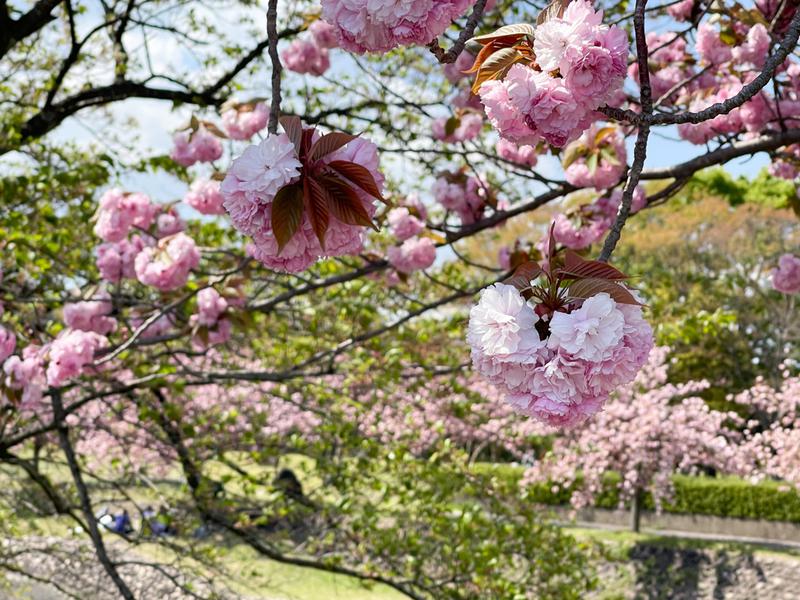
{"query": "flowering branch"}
{"type": "Point", "coordinates": [746, 93]}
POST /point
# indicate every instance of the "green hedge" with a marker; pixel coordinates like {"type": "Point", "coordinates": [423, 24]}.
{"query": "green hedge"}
{"type": "Point", "coordinates": [717, 496]}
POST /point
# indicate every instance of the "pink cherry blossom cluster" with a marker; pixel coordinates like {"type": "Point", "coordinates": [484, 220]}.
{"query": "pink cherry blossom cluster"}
{"type": "Point", "coordinates": [91, 315]}
{"type": "Point", "coordinates": [160, 258]}
{"type": "Point", "coordinates": [466, 196]}
{"type": "Point", "coordinates": [414, 254]}
{"type": "Point", "coordinates": [71, 353]}
{"type": "Point", "coordinates": [205, 197]}
{"type": "Point", "coordinates": [598, 158]}
{"type": "Point", "coordinates": [211, 308]}
{"type": "Point", "coordinates": [243, 121]}
{"type": "Point", "coordinates": [381, 25]}
{"type": "Point", "coordinates": [558, 370]}
{"type": "Point", "coordinates": [8, 343]}
{"type": "Point", "coordinates": [403, 224]}
{"type": "Point", "coordinates": [786, 277]}
{"type": "Point", "coordinates": [259, 173]}
{"type": "Point", "coordinates": [587, 225]}
{"type": "Point", "coordinates": [581, 66]}
{"type": "Point", "coordinates": [465, 126]}
{"type": "Point", "coordinates": [120, 211]}
{"type": "Point", "coordinates": [310, 55]}
{"type": "Point", "coordinates": [166, 265]}
{"type": "Point", "coordinates": [115, 261]}
{"type": "Point", "coordinates": [193, 146]}
{"type": "Point", "coordinates": [647, 431]}
{"type": "Point", "coordinates": [521, 155]}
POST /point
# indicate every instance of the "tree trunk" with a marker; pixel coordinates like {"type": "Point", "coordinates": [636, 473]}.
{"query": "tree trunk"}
{"type": "Point", "coordinates": [636, 510]}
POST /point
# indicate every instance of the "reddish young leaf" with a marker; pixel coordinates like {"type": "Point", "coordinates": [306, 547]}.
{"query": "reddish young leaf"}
{"type": "Point", "coordinates": [293, 127]}
{"type": "Point", "coordinates": [305, 144]}
{"type": "Point", "coordinates": [485, 52]}
{"type": "Point", "coordinates": [577, 267]}
{"type": "Point", "coordinates": [330, 142]}
{"type": "Point", "coordinates": [586, 288]}
{"type": "Point", "coordinates": [316, 201]}
{"type": "Point", "coordinates": [496, 66]}
{"type": "Point", "coordinates": [287, 213]}
{"type": "Point", "coordinates": [524, 274]}
{"type": "Point", "coordinates": [554, 10]}
{"type": "Point", "coordinates": [358, 175]}
{"type": "Point", "coordinates": [345, 204]}
{"type": "Point", "coordinates": [507, 33]}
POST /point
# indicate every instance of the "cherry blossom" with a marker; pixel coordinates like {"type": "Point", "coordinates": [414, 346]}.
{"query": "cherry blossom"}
{"type": "Point", "coordinates": [70, 353]}
{"type": "Point", "coordinates": [402, 224]}
{"type": "Point", "coordinates": [243, 122]}
{"type": "Point", "coordinates": [305, 56]}
{"type": "Point", "coordinates": [205, 197]}
{"type": "Point", "coordinates": [786, 277]}
{"type": "Point", "coordinates": [166, 266]}
{"type": "Point", "coordinates": [8, 342]}
{"type": "Point", "coordinates": [414, 254]}
{"type": "Point", "coordinates": [91, 315]}
{"type": "Point", "coordinates": [191, 147]}
{"type": "Point", "coordinates": [381, 25]}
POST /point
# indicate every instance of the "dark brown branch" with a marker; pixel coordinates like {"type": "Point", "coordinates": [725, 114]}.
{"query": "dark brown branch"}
{"type": "Point", "coordinates": [747, 92]}
{"type": "Point", "coordinates": [83, 494]}
{"type": "Point", "coordinates": [764, 143]}
{"type": "Point", "coordinates": [469, 29]}
{"type": "Point", "coordinates": [272, 36]}
{"type": "Point", "coordinates": [640, 149]}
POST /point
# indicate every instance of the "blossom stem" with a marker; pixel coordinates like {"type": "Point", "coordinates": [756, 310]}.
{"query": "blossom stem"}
{"type": "Point", "coordinates": [272, 37]}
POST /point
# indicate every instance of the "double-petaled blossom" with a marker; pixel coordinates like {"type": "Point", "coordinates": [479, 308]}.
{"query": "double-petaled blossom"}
{"type": "Point", "coordinates": [166, 266]}
{"type": "Point", "coordinates": [115, 261]}
{"type": "Point", "coordinates": [71, 353]}
{"type": "Point", "coordinates": [381, 25]}
{"type": "Point", "coordinates": [786, 277]}
{"type": "Point", "coordinates": [597, 159]}
{"type": "Point", "coordinates": [120, 211]}
{"type": "Point", "coordinates": [190, 147]}
{"type": "Point", "coordinates": [305, 56]}
{"type": "Point", "coordinates": [205, 197]}
{"type": "Point", "coordinates": [91, 315]}
{"type": "Point", "coordinates": [243, 122]}
{"type": "Point", "coordinates": [402, 224]}
{"type": "Point", "coordinates": [8, 342]}
{"type": "Point", "coordinates": [580, 65]}
{"type": "Point", "coordinates": [464, 195]}
{"type": "Point", "coordinates": [461, 128]}
{"type": "Point", "coordinates": [211, 306]}
{"type": "Point", "coordinates": [255, 178]}
{"type": "Point", "coordinates": [521, 155]}
{"type": "Point", "coordinates": [26, 373]}
{"type": "Point", "coordinates": [559, 368]}
{"type": "Point", "coordinates": [414, 254]}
